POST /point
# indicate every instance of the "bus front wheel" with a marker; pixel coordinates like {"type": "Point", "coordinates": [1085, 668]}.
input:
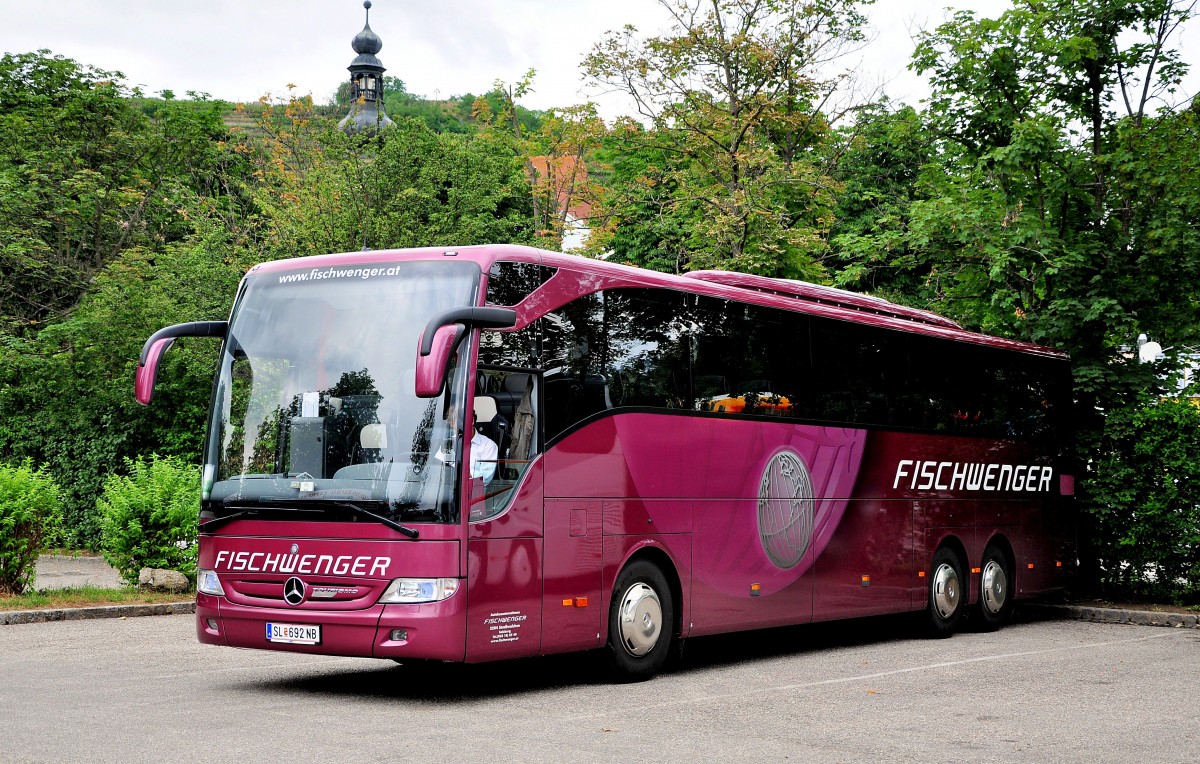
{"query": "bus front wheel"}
{"type": "Point", "coordinates": [641, 621]}
{"type": "Point", "coordinates": [947, 593]}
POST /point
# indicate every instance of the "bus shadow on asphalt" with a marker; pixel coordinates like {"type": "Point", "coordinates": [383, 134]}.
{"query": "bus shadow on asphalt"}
{"type": "Point", "coordinates": [458, 683]}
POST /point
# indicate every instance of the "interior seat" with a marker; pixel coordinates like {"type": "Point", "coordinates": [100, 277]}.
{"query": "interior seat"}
{"type": "Point", "coordinates": [490, 423]}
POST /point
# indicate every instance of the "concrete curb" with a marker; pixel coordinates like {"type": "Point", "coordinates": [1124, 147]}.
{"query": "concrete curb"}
{"type": "Point", "coordinates": [12, 617]}
{"type": "Point", "coordinates": [1114, 615]}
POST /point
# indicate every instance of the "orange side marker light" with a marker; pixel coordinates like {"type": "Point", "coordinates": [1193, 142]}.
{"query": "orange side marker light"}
{"type": "Point", "coordinates": [1031, 566]}
{"type": "Point", "coordinates": [921, 574]}
{"type": "Point", "coordinates": [569, 603]}
{"type": "Point", "coordinates": [976, 570]}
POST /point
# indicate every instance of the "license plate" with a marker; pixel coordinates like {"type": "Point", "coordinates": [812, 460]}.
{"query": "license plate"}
{"type": "Point", "coordinates": [292, 633]}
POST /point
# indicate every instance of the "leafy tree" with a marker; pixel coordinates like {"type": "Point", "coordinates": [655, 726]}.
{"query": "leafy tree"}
{"type": "Point", "coordinates": [1031, 218]}
{"type": "Point", "coordinates": [1030, 214]}
{"type": "Point", "coordinates": [879, 162]}
{"type": "Point", "coordinates": [118, 215]}
{"type": "Point", "coordinates": [642, 220]}
{"type": "Point", "coordinates": [1054, 201]}
{"type": "Point", "coordinates": [84, 175]}
{"type": "Point", "coordinates": [321, 191]}
{"type": "Point", "coordinates": [732, 97]}
{"type": "Point", "coordinates": [65, 397]}
{"type": "Point", "coordinates": [559, 154]}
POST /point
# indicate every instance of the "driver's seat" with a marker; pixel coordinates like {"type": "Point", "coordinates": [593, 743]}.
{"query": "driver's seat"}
{"type": "Point", "coordinates": [490, 423]}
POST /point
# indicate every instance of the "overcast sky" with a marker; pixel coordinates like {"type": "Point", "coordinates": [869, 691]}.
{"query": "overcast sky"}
{"type": "Point", "coordinates": [239, 50]}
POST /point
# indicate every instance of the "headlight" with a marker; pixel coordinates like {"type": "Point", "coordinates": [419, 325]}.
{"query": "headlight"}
{"type": "Point", "coordinates": [409, 591]}
{"type": "Point", "coordinates": [208, 583]}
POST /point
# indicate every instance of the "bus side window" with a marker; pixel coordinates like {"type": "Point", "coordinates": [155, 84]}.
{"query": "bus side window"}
{"type": "Point", "coordinates": [646, 363]}
{"type": "Point", "coordinates": [514, 397]}
{"type": "Point", "coordinates": [573, 346]}
{"type": "Point", "coordinates": [504, 377]}
{"type": "Point", "coordinates": [749, 360]}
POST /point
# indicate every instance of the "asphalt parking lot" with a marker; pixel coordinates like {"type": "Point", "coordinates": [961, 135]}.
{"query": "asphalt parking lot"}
{"type": "Point", "coordinates": [142, 689]}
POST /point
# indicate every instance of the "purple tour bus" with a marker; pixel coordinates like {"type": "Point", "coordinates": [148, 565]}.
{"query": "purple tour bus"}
{"type": "Point", "coordinates": [492, 452]}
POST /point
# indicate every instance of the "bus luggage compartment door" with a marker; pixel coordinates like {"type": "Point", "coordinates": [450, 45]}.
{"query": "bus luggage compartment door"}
{"type": "Point", "coordinates": [573, 608]}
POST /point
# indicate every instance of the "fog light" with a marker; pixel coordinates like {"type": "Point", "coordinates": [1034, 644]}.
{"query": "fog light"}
{"type": "Point", "coordinates": [399, 635]}
{"type": "Point", "coordinates": [212, 623]}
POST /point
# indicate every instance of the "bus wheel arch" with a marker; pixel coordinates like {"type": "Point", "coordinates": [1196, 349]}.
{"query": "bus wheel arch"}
{"type": "Point", "coordinates": [948, 588]}
{"type": "Point", "coordinates": [996, 583]}
{"type": "Point", "coordinates": [644, 615]}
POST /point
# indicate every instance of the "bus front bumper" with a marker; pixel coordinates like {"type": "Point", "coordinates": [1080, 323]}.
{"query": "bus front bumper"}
{"type": "Point", "coordinates": [429, 631]}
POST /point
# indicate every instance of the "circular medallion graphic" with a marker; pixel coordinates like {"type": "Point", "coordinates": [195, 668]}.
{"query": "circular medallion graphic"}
{"type": "Point", "coordinates": [785, 509]}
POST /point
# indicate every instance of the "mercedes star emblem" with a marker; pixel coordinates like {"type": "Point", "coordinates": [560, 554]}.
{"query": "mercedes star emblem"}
{"type": "Point", "coordinates": [293, 591]}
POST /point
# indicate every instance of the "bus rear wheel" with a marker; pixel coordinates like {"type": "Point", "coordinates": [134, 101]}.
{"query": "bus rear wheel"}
{"type": "Point", "coordinates": [641, 622]}
{"type": "Point", "coordinates": [995, 590]}
{"type": "Point", "coordinates": [947, 593]}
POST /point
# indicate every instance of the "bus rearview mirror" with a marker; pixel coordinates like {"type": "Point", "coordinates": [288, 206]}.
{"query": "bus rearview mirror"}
{"type": "Point", "coordinates": [159, 343]}
{"type": "Point", "coordinates": [440, 339]}
{"type": "Point", "coordinates": [431, 367]}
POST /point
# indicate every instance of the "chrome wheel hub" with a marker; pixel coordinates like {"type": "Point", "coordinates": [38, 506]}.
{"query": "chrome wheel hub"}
{"type": "Point", "coordinates": [994, 587]}
{"type": "Point", "coordinates": [640, 619]}
{"type": "Point", "coordinates": [946, 590]}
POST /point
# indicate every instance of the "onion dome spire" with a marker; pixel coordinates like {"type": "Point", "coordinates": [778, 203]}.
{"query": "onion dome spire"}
{"type": "Point", "coordinates": [367, 41]}
{"type": "Point", "coordinates": [366, 82]}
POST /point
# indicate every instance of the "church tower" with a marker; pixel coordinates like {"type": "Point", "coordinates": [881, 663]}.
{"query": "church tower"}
{"type": "Point", "coordinates": [366, 84]}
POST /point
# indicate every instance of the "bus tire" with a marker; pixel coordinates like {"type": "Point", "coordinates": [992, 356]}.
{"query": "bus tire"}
{"type": "Point", "coordinates": [948, 589]}
{"type": "Point", "coordinates": [995, 589]}
{"type": "Point", "coordinates": [641, 622]}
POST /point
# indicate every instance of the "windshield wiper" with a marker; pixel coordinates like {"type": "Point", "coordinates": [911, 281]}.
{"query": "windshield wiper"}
{"type": "Point", "coordinates": [412, 533]}
{"type": "Point", "coordinates": [210, 526]}
{"type": "Point", "coordinates": [314, 505]}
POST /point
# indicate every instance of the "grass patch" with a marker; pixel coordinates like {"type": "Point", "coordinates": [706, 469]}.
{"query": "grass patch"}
{"type": "Point", "coordinates": [88, 596]}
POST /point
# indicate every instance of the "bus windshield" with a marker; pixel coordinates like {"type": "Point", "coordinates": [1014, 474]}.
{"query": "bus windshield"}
{"type": "Point", "coordinates": [314, 409]}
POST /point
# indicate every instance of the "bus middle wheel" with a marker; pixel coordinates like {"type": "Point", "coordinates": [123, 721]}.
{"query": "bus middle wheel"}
{"type": "Point", "coordinates": [947, 593]}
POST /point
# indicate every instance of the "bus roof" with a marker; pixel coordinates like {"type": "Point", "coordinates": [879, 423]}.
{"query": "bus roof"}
{"type": "Point", "coordinates": [786, 294]}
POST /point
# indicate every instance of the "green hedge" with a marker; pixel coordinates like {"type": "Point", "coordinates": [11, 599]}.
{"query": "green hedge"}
{"type": "Point", "coordinates": [1143, 501]}
{"type": "Point", "coordinates": [30, 516]}
{"type": "Point", "coordinates": [148, 518]}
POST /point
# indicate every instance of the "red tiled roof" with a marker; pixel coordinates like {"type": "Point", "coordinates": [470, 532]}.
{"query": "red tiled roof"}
{"type": "Point", "coordinates": [569, 177]}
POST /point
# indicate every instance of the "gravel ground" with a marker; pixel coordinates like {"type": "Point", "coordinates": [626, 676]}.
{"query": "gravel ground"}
{"type": "Point", "coordinates": [63, 571]}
